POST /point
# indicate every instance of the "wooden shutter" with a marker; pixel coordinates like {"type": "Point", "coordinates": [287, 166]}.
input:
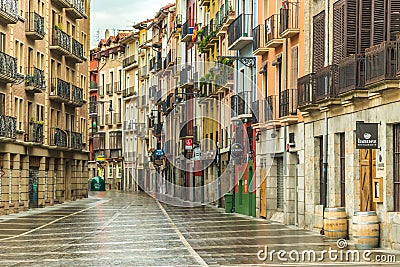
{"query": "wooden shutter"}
{"type": "Point", "coordinates": [344, 29]}
{"type": "Point", "coordinates": [339, 31]}
{"type": "Point", "coordinates": [263, 192]}
{"type": "Point", "coordinates": [318, 41]}
{"type": "Point", "coordinates": [394, 19]}
{"type": "Point", "coordinates": [294, 67]}
{"type": "Point", "coordinates": [365, 16]}
{"type": "Point", "coordinates": [378, 21]}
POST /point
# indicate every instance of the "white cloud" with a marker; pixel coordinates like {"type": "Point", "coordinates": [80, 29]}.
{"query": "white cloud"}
{"type": "Point", "coordinates": [121, 14]}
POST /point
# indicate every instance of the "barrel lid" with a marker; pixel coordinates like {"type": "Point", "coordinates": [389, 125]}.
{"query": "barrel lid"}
{"type": "Point", "coordinates": [365, 213]}
{"type": "Point", "coordinates": [335, 209]}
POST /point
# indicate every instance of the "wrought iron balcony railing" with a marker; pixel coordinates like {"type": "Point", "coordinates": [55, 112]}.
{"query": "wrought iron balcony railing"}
{"type": "Point", "coordinates": [118, 87]}
{"type": "Point", "coordinates": [79, 6]}
{"type": "Point", "coordinates": [58, 137]}
{"type": "Point", "coordinates": [9, 11]}
{"type": "Point", "coordinates": [289, 20]}
{"type": "Point", "coordinates": [8, 68]}
{"type": "Point", "coordinates": [77, 95]}
{"type": "Point", "coordinates": [187, 30]}
{"type": "Point", "coordinates": [326, 82]}
{"type": "Point", "coordinates": [351, 71]}
{"type": "Point", "coordinates": [77, 50]}
{"type": "Point", "coordinates": [34, 26]}
{"type": "Point", "coordinates": [60, 90]}
{"type": "Point", "coordinates": [93, 108]}
{"type": "Point", "coordinates": [76, 141]}
{"type": "Point", "coordinates": [93, 85]}
{"type": "Point", "coordinates": [130, 91]}
{"type": "Point", "coordinates": [35, 133]}
{"type": "Point", "coordinates": [288, 103]}
{"type": "Point", "coordinates": [272, 37]}
{"type": "Point", "coordinates": [34, 79]}
{"type": "Point", "coordinates": [8, 127]}
{"type": "Point", "coordinates": [306, 90]}
{"type": "Point", "coordinates": [61, 41]}
{"type": "Point", "coordinates": [143, 71]}
{"type": "Point", "coordinates": [380, 63]}
{"type": "Point", "coordinates": [131, 60]}
{"type": "Point", "coordinates": [240, 32]}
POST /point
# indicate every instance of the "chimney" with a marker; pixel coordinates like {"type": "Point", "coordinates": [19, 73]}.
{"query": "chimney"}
{"type": "Point", "coordinates": [107, 34]}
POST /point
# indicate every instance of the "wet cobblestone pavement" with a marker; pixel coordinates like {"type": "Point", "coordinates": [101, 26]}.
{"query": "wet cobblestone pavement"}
{"type": "Point", "coordinates": [133, 229]}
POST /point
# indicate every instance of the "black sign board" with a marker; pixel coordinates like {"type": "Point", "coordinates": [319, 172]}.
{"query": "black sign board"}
{"type": "Point", "coordinates": [237, 150]}
{"type": "Point", "coordinates": [366, 135]}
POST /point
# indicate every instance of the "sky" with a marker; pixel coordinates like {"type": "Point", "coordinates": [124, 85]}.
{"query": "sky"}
{"type": "Point", "coordinates": [120, 14]}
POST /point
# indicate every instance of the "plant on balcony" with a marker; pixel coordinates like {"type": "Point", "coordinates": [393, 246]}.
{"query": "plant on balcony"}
{"type": "Point", "coordinates": [58, 27]}
{"type": "Point", "coordinates": [203, 43]}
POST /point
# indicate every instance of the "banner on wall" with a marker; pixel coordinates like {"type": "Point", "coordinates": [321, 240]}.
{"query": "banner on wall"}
{"type": "Point", "coordinates": [366, 135]}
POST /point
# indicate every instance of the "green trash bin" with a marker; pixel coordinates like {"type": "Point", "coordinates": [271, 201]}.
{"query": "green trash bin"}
{"type": "Point", "coordinates": [228, 202]}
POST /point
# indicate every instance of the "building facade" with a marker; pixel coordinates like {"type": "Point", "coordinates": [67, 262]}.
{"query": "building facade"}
{"type": "Point", "coordinates": [43, 111]}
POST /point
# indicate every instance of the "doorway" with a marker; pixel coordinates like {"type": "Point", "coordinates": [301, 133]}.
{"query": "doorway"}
{"type": "Point", "coordinates": [367, 173]}
{"type": "Point", "coordinates": [33, 187]}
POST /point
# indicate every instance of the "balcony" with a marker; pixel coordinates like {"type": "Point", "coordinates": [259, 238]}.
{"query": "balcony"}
{"type": "Point", "coordinates": [240, 32]}
{"type": "Point", "coordinates": [210, 33]}
{"type": "Point", "coordinates": [8, 68]}
{"type": "Point", "coordinates": [143, 72]}
{"type": "Point", "coordinates": [35, 133]}
{"type": "Point", "coordinates": [326, 82]}
{"type": "Point", "coordinates": [288, 106]}
{"type": "Point", "coordinates": [109, 89]}
{"type": "Point", "coordinates": [34, 80]}
{"type": "Point", "coordinates": [116, 153]}
{"type": "Point", "coordinates": [117, 118]}
{"type": "Point", "coordinates": [61, 43]}
{"type": "Point", "coordinates": [77, 9]}
{"type": "Point", "coordinates": [8, 127]}
{"type": "Point", "coordinates": [34, 26]}
{"type": "Point", "coordinates": [76, 141]}
{"type": "Point", "coordinates": [169, 60]}
{"type": "Point", "coordinates": [93, 108]}
{"type": "Point", "coordinates": [186, 77]}
{"type": "Point", "coordinates": [77, 96]}
{"type": "Point", "coordinates": [129, 62]}
{"type": "Point", "coordinates": [380, 67]}
{"type": "Point", "coordinates": [157, 129]}
{"type": "Point", "coordinates": [60, 91]}
{"type": "Point", "coordinates": [93, 86]}
{"type": "Point", "coordinates": [9, 12]}
{"type": "Point", "coordinates": [259, 41]}
{"type": "Point", "coordinates": [130, 91]}
{"type": "Point", "coordinates": [76, 55]}
{"type": "Point", "coordinates": [265, 112]}
{"type": "Point", "coordinates": [58, 137]}
{"type": "Point", "coordinates": [118, 87]}
{"type": "Point", "coordinates": [62, 3]}
{"type": "Point", "coordinates": [272, 38]}
{"type": "Point", "coordinates": [306, 92]}
{"type": "Point", "coordinates": [289, 25]}
{"type": "Point", "coordinates": [187, 30]}
{"type": "Point", "coordinates": [351, 71]}
{"type": "Point", "coordinates": [204, 3]}
{"type": "Point", "coordinates": [226, 16]}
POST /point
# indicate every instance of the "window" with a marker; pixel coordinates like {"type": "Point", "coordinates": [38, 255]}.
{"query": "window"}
{"type": "Point", "coordinates": [119, 172]}
{"type": "Point", "coordinates": [318, 41]}
{"type": "Point", "coordinates": [115, 141]}
{"type": "Point", "coordinates": [2, 104]}
{"type": "Point", "coordinates": [39, 113]}
{"type": "Point", "coordinates": [83, 129]}
{"type": "Point", "coordinates": [19, 112]}
{"type": "Point", "coordinates": [110, 171]}
{"type": "Point", "coordinates": [2, 42]}
{"type": "Point", "coordinates": [99, 141]}
{"type": "Point", "coordinates": [320, 143]}
{"type": "Point", "coordinates": [294, 67]}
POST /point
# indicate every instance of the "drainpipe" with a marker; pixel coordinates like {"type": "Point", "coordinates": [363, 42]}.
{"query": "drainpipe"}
{"type": "Point", "coordinates": [284, 85]}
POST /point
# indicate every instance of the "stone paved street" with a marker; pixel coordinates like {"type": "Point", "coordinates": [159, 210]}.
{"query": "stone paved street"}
{"type": "Point", "coordinates": [133, 229]}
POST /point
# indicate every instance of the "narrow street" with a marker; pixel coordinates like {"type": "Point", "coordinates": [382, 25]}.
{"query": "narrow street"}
{"type": "Point", "coordinates": [133, 229]}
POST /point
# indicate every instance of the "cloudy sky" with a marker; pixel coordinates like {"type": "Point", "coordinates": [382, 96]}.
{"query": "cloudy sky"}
{"type": "Point", "coordinates": [120, 14]}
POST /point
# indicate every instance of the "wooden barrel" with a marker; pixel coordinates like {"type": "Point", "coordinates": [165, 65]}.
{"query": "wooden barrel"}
{"type": "Point", "coordinates": [365, 229]}
{"type": "Point", "coordinates": [335, 223]}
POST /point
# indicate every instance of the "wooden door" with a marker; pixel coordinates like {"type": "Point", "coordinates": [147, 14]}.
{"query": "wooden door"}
{"type": "Point", "coordinates": [367, 172]}
{"type": "Point", "coordinates": [263, 192]}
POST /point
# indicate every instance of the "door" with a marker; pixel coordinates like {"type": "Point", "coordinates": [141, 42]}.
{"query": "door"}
{"type": "Point", "coordinates": [280, 184]}
{"type": "Point", "coordinates": [367, 172]}
{"type": "Point", "coordinates": [263, 192]}
{"type": "Point", "coordinates": [33, 187]}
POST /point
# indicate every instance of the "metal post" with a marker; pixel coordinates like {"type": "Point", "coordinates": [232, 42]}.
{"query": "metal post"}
{"type": "Point", "coordinates": [325, 160]}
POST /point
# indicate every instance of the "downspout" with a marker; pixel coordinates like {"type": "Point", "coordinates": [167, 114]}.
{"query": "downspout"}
{"type": "Point", "coordinates": [284, 70]}
{"type": "Point", "coordinates": [325, 138]}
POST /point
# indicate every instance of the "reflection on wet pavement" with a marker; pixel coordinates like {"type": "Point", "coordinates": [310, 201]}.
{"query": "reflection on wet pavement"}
{"type": "Point", "coordinates": [132, 229]}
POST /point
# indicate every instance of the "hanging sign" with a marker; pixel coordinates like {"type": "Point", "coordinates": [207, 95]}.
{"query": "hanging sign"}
{"type": "Point", "coordinates": [189, 144]}
{"type": "Point", "coordinates": [366, 135]}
